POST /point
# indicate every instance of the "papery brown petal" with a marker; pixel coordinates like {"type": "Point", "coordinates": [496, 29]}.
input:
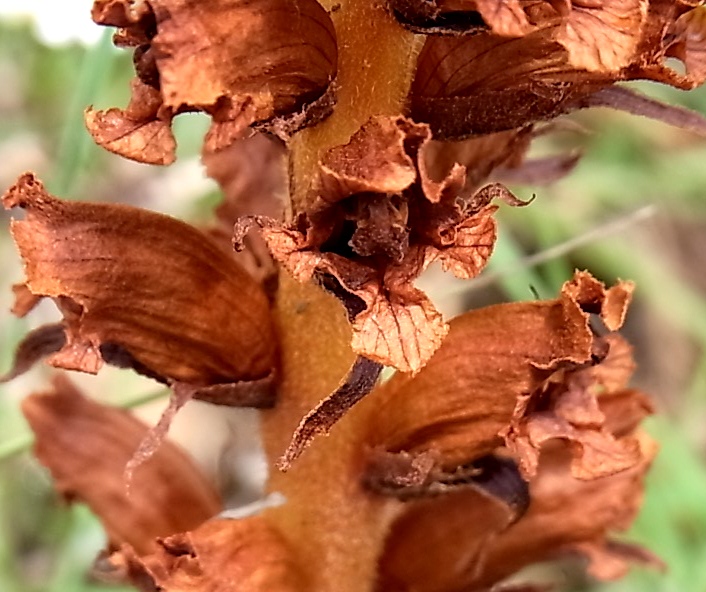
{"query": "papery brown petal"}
{"type": "Point", "coordinates": [86, 446]}
{"type": "Point", "coordinates": [25, 301]}
{"type": "Point", "coordinates": [36, 345]}
{"type": "Point", "coordinates": [616, 369]}
{"type": "Point", "coordinates": [129, 280]}
{"type": "Point", "coordinates": [598, 454]}
{"type": "Point", "coordinates": [465, 397]}
{"type": "Point", "coordinates": [140, 132]}
{"type": "Point", "coordinates": [603, 36]}
{"type": "Point", "coordinates": [246, 555]}
{"type": "Point", "coordinates": [402, 331]}
{"type": "Point", "coordinates": [610, 303]}
{"type": "Point", "coordinates": [240, 62]}
{"type": "Point", "coordinates": [480, 156]}
{"type": "Point", "coordinates": [472, 245]}
{"type": "Point", "coordinates": [376, 160]}
{"type": "Point", "coordinates": [504, 17]}
{"type": "Point", "coordinates": [462, 542]}
{"type": "Point", "coordinates": [624, 410]}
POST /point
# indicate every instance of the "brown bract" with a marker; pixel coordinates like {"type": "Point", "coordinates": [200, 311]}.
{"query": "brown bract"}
{"type": "Point", "coordinates": [146, 291]}
{"type": "Point", "coordinates": [240, 62]}
{"type": "Point", "coordinates": [516, 375]}
{"type": "Point", "coordinates": [377, 216]}
{"type": "Point", "coordinates": [575, 50]}
{"type": "Point", "coordinates": [86, 446]}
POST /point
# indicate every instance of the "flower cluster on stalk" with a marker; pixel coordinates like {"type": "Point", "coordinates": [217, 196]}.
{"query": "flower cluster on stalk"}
{"type": "Point", "coordinates": [356, 143]}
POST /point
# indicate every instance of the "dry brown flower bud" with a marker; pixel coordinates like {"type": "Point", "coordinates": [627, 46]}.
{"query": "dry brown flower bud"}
{"type": "Point", "coordinates": [376, 219]}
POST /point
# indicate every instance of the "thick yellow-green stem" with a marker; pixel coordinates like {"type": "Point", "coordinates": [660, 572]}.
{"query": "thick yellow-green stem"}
{"type": "Point", "coordinates": [334, 526]}
{"type": "Point", "coordinates": [376, 61]}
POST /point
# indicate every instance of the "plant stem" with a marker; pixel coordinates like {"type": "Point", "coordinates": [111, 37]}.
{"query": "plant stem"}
{"type": "Point", "coordinates": [376, 61]}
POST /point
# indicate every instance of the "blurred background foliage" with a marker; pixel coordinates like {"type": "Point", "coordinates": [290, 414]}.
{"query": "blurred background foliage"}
{"type": "Point", "coordinates": [634, 208]}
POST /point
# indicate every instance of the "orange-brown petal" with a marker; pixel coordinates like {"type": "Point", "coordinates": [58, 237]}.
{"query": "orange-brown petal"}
{"type": "Point", "coordinates": [462, 541]}
{"type": "Point", "coordinates": [87, 446]}
{"type": "Point", "coordinates": [491, 372]}
{"type": "Point", "coordinates": [603, 36]}
{"type": "Point", "coordinates": [247, 555]}
{"type": "Point", "coordinates": [240, 62]}
{"type": "Point", "coordinates": [143, 290]}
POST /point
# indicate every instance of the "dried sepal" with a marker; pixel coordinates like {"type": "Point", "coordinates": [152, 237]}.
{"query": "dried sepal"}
{"type": "Point", "coordinates": [36, 345]}
{"type": "Point", "coordinates": [201, 320]}
{"type": "Point", "coordinates": [407, 477]}
{"type": "Point", "coordinates": [512, 365]}
{"type": "Point", "coordinates": [86, 446]}
{"type": "Point", "coordinates": [240, 62]}
{"type": "Point", "coordinates": [360, 381]}
{"type": "Point", "coordinates": [142, 131]}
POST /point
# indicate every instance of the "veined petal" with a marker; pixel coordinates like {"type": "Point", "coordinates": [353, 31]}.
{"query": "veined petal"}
{"type": "Point", "coordinates": [555, 68]}
{"type": "Point", "coordinates": [247, 555]}
{"type": "Point", "coordinates": [506, 366]}
{"type": "Point", "coordinates": [143, 290]}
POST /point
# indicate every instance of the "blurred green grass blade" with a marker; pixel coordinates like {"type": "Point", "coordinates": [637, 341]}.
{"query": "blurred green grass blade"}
{"type": "Point", "coordinates": [75, 139]}
{"type": "Point", "coordinates": [81, 542]}
{"type": "Point", "coordinates": [9, 576]}
{"type": "Point", "coordinates": [16, 445]}
{"type": "Point", "coordinates": [508, 254]}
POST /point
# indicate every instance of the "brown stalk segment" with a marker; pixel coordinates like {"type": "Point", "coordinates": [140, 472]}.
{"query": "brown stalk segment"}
{"type": "Point", "coordinates": [340, 547]}
{"type": "Point", "coordinates": [376, 61]}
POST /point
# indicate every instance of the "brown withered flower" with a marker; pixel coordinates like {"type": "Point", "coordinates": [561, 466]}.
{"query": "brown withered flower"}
{"type": "Point", "coordinates": [360, 142]}
{"type": "Point", "coordinates": [395, 498]}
